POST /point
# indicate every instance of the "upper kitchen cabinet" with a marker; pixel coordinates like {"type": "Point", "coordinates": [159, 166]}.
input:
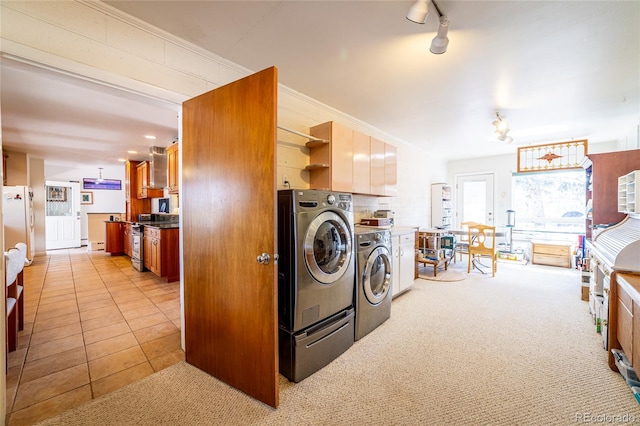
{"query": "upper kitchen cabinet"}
{"type": "Point", "coordinates": [134, 205]}
{"type": "Point", "coordinates": [350, 161]}
{"type": "Point", "coordinates": [331, 162]}
{"type": "Point", "coordinates": [144, 182]}
{"type": "Point", "coordinates": [173, 169]}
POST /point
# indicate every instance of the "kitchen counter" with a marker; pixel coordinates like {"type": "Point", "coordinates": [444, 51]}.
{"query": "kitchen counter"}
{"type": "Point", "coordinates": [158, 224]}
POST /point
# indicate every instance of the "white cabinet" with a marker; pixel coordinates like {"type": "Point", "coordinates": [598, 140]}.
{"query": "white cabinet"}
{"type": "Point", "coordinates": [441, 206]}
{"type": "Point", "coordinates": [404, 261]}
{"type": "Point", "coordinates": [629, 192]}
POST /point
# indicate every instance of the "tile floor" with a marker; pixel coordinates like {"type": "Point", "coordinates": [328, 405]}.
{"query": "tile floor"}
{"type": "Point", "coordinates": [93, 324]}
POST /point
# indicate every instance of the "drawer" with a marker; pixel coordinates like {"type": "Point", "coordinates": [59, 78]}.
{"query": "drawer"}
{"type": "Point", "coordinates": [551, 260]}
{"type": "Point", "coordinates": [152, 232]}
{"type": "Point", "coordinates": [551, 249]}
{"type": "Point", "coordinates": [407, 239]}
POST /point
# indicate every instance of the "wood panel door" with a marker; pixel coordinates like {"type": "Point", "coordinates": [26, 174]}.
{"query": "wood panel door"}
{"type": "Point", "coordinates": [229, 219]}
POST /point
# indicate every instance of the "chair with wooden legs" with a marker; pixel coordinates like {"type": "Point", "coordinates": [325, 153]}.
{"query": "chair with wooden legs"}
{"type": "Point", "coordinates": [482, 243]}
{"type": "Point", "coordinates": [22, 248]}
{"type": "Point", "coordinates": [14, 262]}
{"type": "Point", "coordinates": [462, 243]}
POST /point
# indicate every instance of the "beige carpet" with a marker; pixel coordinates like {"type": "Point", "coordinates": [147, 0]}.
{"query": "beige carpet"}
{"type": "Point", "coordinates": [454, 272]}
{"type": "Point", "coordinates": [517, 349]}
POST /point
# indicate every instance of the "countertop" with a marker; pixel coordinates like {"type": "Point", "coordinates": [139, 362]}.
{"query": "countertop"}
{"type": "Point", "coordinates": [158, 224]}
{"type": "Point", "coordinates": [395, 230]}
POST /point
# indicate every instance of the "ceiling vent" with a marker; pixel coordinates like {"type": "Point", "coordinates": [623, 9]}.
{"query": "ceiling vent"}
{"type": "Point", "coordinates": [158, 169]}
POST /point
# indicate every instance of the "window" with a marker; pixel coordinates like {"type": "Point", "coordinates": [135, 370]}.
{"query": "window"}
{"type": "Point", "coordinates": [550, 202]}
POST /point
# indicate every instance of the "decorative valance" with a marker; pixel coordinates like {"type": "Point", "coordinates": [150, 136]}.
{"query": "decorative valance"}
{"type": "Point", "coordinates": [552, 156]}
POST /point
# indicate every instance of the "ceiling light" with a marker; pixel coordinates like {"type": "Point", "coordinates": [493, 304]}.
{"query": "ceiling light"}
{"type": "Point", "coordinates": [419, 11]}
{"type": "Point", "coordinates": [149, 136]}
{"type": "Point", "coordinates": [132, 152]}
{"type": "Point", "coordinates": [502, 128]}
{"type": "Point", "coordinates": [441, 41]}
{"type": "Point", "coordinates": [418, 14]}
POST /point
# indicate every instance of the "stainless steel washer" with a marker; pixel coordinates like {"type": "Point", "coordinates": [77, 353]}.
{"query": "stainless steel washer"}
{"type": "Point", "coordinates": [316, 271]}
{"type": "Point", "coordinates": [373, 285]}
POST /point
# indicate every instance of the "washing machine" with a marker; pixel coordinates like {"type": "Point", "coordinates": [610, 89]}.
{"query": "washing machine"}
{"type": "Point", "coordinates": [316, 279]}
{"type": "Point", "coordinates": [373, 283]}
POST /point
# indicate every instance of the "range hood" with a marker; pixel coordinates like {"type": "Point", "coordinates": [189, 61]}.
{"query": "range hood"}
{"type": "Point", "coordinates": [157, 167]}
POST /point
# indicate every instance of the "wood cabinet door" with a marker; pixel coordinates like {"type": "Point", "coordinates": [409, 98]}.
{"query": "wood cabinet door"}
{"type": "Point", "coordinates": [377, 167]}
{"type": "Point", "coordinates": [361, 163]}
{"type": "Point", "coordinates": [141, 178]}
{"type": "Point", "coordinates": [172, 168]}
{"type": "Point", "coordinates": [127, 239]}
{"type": "Point", "coordinates": [229, 168]}
{"type": "Point", "coordinates": [155, 265]}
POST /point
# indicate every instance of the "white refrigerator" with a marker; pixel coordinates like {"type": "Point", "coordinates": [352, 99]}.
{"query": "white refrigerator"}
{"type": "Point", "coordinates": [18, 218]}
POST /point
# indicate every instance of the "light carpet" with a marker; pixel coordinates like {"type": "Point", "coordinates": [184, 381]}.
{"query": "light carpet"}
{"type": "Point", "coordinates": [517, 349]}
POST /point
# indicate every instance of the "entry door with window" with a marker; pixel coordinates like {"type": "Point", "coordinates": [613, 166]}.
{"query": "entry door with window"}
{"type": "Point", "coordinates": [475, 199]}
{"type": "Point", "coordinates": [62, 223]}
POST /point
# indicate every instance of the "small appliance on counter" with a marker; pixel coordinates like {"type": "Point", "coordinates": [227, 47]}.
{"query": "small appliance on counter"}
{"type": "Point", "coordinates": [376, 221]}
{"type": "Point", "coordinates": [381, 218]}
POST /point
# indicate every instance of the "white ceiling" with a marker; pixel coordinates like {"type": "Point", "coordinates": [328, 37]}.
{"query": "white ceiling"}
{"type": "Point", "coordinates": [556, 70]}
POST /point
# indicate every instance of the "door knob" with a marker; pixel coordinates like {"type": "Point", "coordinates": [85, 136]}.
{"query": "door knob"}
{"type": "Point", "coordinates": [264, 259]}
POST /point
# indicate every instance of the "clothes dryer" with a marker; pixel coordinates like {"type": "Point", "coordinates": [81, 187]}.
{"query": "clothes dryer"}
{"type": "Point", "coordinates": [316, 276]}
{"type": "Point", "coordinates": [373, 284]}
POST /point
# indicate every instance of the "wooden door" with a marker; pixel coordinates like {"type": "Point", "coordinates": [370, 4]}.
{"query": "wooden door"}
{"type": "Point", "coordinates": [229, 219]}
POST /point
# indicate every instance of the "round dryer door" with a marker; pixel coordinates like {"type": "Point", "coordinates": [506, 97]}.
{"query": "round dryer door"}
{"type": "Point", "coordinates": [327, 247]}
{"type": "Point", "coordinates": [377, 275]}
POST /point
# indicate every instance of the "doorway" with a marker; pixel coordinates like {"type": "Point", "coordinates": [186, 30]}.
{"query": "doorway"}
{"type": "Point", "coordinates": [474, 199]}
{"type": "Point", "coordinates": [62, 223]}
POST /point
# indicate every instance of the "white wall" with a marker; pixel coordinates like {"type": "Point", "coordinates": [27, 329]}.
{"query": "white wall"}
{"type": "Point", "coordinates": [104, 201]}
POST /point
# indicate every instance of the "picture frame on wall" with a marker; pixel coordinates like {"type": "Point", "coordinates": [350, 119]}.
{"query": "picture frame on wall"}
{"type": "Point", "coordinates": [86, 197]}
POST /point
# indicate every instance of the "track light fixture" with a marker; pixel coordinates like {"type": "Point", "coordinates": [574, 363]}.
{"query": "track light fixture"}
{"type": "Point", "coordinates": [502, 128]}
{"type": "Point", "coordinates": [419, 12]}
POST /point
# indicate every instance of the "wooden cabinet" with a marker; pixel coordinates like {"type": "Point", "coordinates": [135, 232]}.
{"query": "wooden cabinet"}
{"type": "Point", "coordinates": [133, 205]}
{"type": "Point", "coordinates": [114, 233]}
{"type": "Point", "coordinates": [331, 160]}
{"type": "Point", "coordinates": [350, 161]}
{"type": "Point", "coordinates": [552, 254]}
{"type": "Point", "coordinates": [161, 252]}
{"type": "Point", "coordinates": [404, 262]}
{"type": "Point", "coordinates": [143, 174]}
{"type": "Point", "coordinates": [128, 239]}
{"type": "Point", "coordinates": [173, 169]}
{"type": "Point", "coordinates": [624, 318]}
{"type": "Point", "coordinates": [603, 173]}
{"type": "Point", "coordinates": [361, 163]}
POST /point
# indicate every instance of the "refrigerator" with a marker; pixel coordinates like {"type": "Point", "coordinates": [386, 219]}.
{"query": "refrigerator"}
{"type": "Point", "coordinates": [18, 218]}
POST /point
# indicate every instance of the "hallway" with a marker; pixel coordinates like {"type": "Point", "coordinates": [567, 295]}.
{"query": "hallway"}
{"type": "Point", "coordinates": [93, 324]}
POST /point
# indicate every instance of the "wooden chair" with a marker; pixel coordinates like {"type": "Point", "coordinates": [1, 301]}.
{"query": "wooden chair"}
{"type": "Point", "coordinates": [482, 243]}
{"type": "Point", "coordinates": [22, 248]}
{"type": "Point", "coordinates": [462, 243]}
{"type": "Point", "coordinates": [14, 262]}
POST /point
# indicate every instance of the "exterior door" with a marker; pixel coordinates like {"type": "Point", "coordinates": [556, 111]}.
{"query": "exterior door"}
{"type": "Point", "coordinates": [475, 199]}
{"type": "Point", "coordinates": [228, 197]}
{"type": "Point", "coordinates": [62, 222]}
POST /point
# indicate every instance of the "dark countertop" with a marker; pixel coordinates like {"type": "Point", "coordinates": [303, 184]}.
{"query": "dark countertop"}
{"type": "Point", "coordinates": [150, 224]}
{"type": "Point", "coordinates": [161, 225]}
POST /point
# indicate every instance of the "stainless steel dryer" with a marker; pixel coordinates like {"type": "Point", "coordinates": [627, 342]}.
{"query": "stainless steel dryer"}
{"type": "Point", "coordinates": [316, 271]}
{"type": "Point", "coordinates": [373, 285]}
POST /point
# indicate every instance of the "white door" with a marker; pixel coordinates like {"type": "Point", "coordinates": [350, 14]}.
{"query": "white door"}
{"type": "Point", "coordinates": [62, 227]}
{"type": "Point", "coordinates": [475, 199]}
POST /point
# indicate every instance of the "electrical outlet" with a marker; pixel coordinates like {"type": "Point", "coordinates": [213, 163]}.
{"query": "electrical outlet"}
{"type": "Point", "coordinates": [285, 179]}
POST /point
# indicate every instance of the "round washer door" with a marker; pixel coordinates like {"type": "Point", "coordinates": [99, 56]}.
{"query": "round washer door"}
{"type": "Point", "coordinates": [377, 275]}
{"type": "Point", "coordinates": [327, 247]}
